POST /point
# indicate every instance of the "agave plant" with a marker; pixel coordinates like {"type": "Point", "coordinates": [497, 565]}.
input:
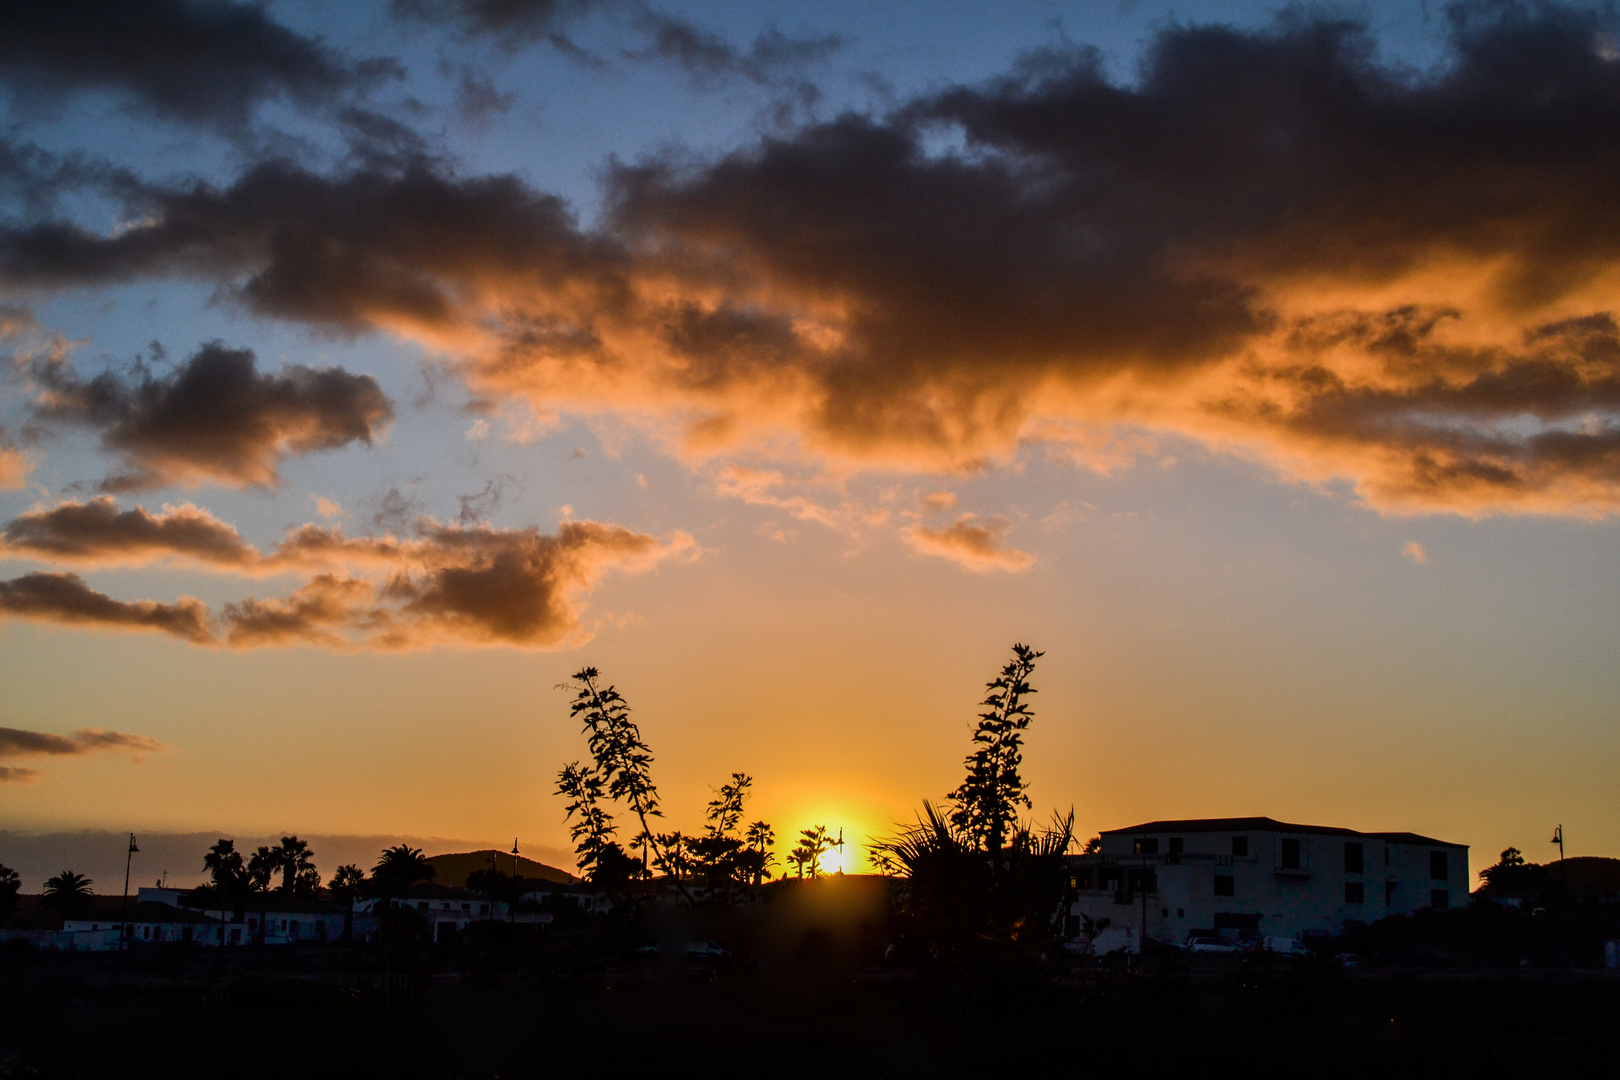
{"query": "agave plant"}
{"type": "Point", "coordinates": [952, 893]}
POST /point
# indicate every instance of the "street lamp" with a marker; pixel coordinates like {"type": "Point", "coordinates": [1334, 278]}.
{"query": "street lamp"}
{"type": "Point", "coordinates": [123, 929]}
{"type": "Point", "coordinates": [1558, 838]}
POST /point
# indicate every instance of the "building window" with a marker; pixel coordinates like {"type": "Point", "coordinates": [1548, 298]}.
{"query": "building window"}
{"type": "Point", "coordinates": [1148, 845]}
{"type": "Point", "coordinates": [1082, 879]}
{"type": "Point", "coordinates": [1352, 858]}
{"type": "Point", "coordinates": [1354, 892]}
{"type": "Point", "coordinates": [1389, 893]}
{"type": "Point", "coordinates": [1437, 866]}
{"type": "Point", "coordinates": [1240, 845]}
{"type": "Point", "coordinates": [1225, 885]}
{"type": "Point", "coordinates": [422, 905]}
{"type": "Point", "coordinates": [1290, 855]}
{"type": "Point", "coordinates": [1175, 845]}
{"type": "Point", "coordinates": [1439, 898]}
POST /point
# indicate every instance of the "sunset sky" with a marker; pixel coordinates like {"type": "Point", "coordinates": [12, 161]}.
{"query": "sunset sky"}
{"type": "Point", "coordinates": [374, 367]}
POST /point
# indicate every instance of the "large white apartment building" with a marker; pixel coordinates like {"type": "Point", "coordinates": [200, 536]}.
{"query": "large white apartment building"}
{"type": "Point", "coordinates": [1246, 877]}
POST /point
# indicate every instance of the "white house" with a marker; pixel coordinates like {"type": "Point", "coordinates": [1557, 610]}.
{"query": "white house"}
{"type": "Point", "coordinates": [1254, 877]}
{"type": "Point", "coordinates": [450, 910]}
{"type": "Point", "coordinates": [146, 921]}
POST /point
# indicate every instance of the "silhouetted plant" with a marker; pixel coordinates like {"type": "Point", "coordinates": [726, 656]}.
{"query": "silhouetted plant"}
{"type": "Point", "coordinates": [292, 857]}
{"type": "Point", "coordinates": [973, 881]}
{"type": "Point", "coordinates": [67, 893]}
{"type": "Point", "coordinates": [10, 885]}
{"type": "Point", "coordinates": [590, 826]}
{"type": "Point", "coordinates": [623, 761]}
{"type": "Point", "coordinates": [261, 869]}
{"type": "Point", "coordinates": [757, 857]}
{"type": "Point", "coordinates": [813, 844]}
{"type": "Point", "coordinates": [348, 881]}
{"type": "Point", "coordinates": [720, 856]}
{"type": "Point", "coordinates": [986, 804]}
{"type": "Point", "coordinates": [400, 867]}
{"type": "Point", "coordinates": [1512, 876]}
{"type": "Point", "coordinates": [954, 895]}
{"type": "Point", "coordinates": [228, 880]}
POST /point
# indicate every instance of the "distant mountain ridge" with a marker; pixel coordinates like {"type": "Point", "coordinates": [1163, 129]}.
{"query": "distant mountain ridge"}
{"type": "Point", "coordinates": [454, 868]}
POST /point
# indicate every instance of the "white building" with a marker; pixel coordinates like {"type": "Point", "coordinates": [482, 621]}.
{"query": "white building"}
{"type": "Point", "coordinates": [1256, 877]}
{"type": "Point", "coordinates": [146, 922]}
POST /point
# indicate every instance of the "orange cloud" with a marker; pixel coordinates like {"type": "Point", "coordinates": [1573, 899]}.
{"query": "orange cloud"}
{"type": "Point", "coordinates": [1298, 255]}
{"type": "Point", "coordinates": [447, 584]}
{"type": "Point", "coordinates": [66, 599]}
{"type": "Point", "coordinates": [976, 547]}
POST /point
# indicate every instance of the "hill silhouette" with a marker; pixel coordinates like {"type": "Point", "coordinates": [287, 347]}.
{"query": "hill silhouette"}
{"type": "Point", "coordinates": [1598, 873]}
{"type": "Point", "coordinates": [453, 868]}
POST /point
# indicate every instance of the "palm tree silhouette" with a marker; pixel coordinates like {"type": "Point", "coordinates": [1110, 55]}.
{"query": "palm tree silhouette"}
{"type": "Point", "coordinates": [400, 867]}
{"type": "Point", "coordinates": [292, 857]}
{"type": "Point", "coordinates": [67, 892]}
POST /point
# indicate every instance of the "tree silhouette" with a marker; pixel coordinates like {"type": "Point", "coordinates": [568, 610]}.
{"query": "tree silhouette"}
{"type": "Point", "coordinates": [227, 874]}
{"type": "Point", "coordinates": [954, 897]}
{"type": "Point", "coordinates": [292, 857]}
{"type": "Point", "coordinates": [10, 885]}
{"type": "Point", "coordinates": [261, 869]}
{"type": "Point", "coordinates": [347, 882]}
{"type": "Point", "coordinates": [813, 844]}
{"type": "Point", "coordinates": [973, 883]}
{"type": "Point", "coordinates": [400, 867]}
{"type": "Point", "coordinates": [623, 768]}
{"type": "Point", "coordinates": [590, 826]}
{"type": "Point", "coordinates": [757, 858]}
{"type": "Point", "coordinates": [67, 893]}
{"type": "Point", "coordinates": [719, 854]}
{"type": "Point", "coordinates": [986, 804]}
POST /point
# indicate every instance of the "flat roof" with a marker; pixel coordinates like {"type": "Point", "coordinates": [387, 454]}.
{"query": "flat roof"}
{"type": "Point", "coordinates": [1265, 824]}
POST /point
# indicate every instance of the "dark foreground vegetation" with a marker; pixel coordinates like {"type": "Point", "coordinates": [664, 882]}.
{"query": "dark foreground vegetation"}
{"type": "Point", "coordinates": [514, 1009]}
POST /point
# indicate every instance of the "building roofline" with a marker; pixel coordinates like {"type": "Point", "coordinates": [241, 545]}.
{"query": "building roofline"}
{"type": "Point", "coordinates": [1266, 824]}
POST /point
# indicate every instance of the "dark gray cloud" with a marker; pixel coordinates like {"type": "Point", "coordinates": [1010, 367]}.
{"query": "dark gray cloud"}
{"type": "Point", "coordinates": [205, 62]}
{"type": "Point", "coordinates": [215, 418]}
{"type": "Point", "coordinates": [99, 533]}
{"type": "Point", "coordinates": [772, 59]}
{"type": "Point", "coordinates": [17, 742]}
{"type": "Point", "coordinates": [1229, 248]}
{"type": "Point", "coordinates": [65, 599]}
{"type": "Point", "coordinates": [511, 23]}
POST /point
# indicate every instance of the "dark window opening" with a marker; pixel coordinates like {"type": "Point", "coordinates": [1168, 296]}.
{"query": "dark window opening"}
{"type": "Point", "coordinates": [1225, 885]}
{"type": "Point", "coordinates": [1147, 846]}
{"type": "Point", "coordinates": [1071, 926]}
{"type": "Point", "coordinates": [1437, 865]}
{"type": "Point", "coordinates": [1240, 845]}
{"type": "Point", "coordinates": [1354, 892]}
{"type": "Point", "coordinates": [1352, 858]}
{"type": "Point", "coordinates": [1290, 855]}
{"type": "Point", "coordinates": [1082, 878]}
{"type": "Point", "coordinates": [1389, 893]}
{"type": "Point", "coordinates": [1142, 879]}
{"type": "Point", "coordinates": [1439, 898]}
{"type": "Point", "coordinates": [1175, 845]}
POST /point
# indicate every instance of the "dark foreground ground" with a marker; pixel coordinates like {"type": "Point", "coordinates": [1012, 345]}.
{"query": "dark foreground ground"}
{"type": "Point", "coordinates": [329, 1013]}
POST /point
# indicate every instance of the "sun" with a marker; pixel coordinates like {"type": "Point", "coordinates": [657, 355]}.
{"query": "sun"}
{"type": "Point", "coordinates": [831, 861]}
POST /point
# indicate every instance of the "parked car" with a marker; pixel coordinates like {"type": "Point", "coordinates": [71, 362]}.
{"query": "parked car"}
{"type": "Point", "coordinates": [1213, 947]}
{"type": "Point", "coordinates": [1285, 946]}
{"type": "Point", "coordinates": [1349, 959]}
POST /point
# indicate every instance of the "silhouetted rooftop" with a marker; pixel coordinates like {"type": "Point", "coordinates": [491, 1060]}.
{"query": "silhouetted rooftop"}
{"type": "Point", "coordinates": [1265, 824]}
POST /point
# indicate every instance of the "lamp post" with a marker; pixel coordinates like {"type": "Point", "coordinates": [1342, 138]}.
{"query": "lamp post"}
{"type": "Point", "coordinates": [123, 927]}
{"type": "Point", "coordinates": [1558, 838]}
{"type": "Point", "coordinates": [511, 908]}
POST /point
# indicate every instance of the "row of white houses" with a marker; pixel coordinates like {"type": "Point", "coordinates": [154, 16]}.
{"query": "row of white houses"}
{"type": "Point", "coordinates": [161, 915]}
